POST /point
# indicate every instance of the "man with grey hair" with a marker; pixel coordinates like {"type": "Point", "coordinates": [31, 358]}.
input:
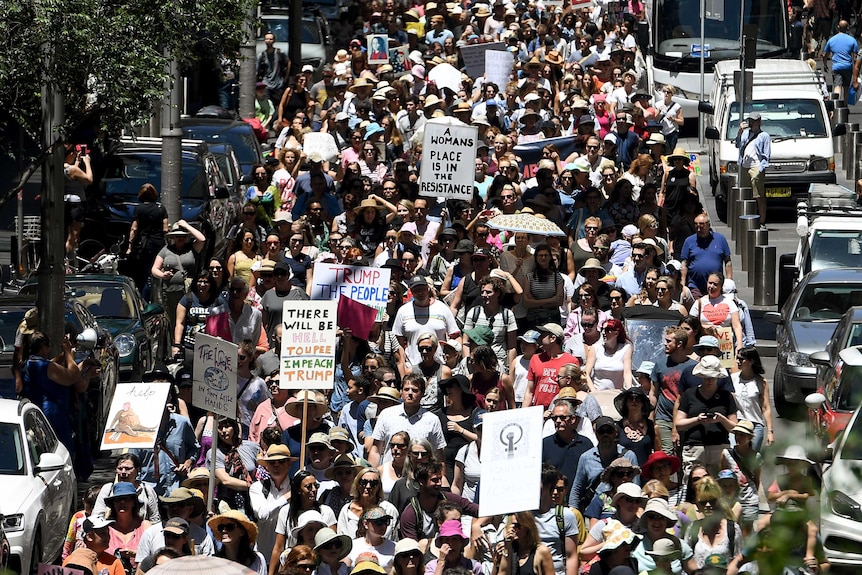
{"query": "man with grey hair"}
{"type": "Point", "coordinates": [704, 253]}
{"type": "Point", "coordinates": [564, 448]}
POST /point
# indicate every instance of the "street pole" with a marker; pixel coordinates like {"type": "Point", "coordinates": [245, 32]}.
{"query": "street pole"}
{"type": "Point", "coordinates": [172, 135]}
{"type": "Point", "coordinates": [700, 130]}
{"type": "Point", "coordinates": [247, 69]}
{"type": "Point", "coordinates": [51, 271]}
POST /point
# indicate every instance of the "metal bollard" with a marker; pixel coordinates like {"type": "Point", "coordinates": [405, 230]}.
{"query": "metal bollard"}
{"type": "Point", "coordinates": [846, 140]}
{"type": "Point", "coordinates": [854, 139]}
{"type": "Point", "coordinates": [758, 237]}
{"type": "Point", "coordinates": [857, 168]}
{"type": "Point", "coordinates": [743, 208]}
{"type": "Point", "coordinates": [741, 194]}
{"type": "Point", "coordinates": [746, 223]}
{"type": "Point", "coordinates": [764, 275]}
{"type": "Point", "coordinates": [842, 112]}
{"type": "Point", "coordinates": [732, 195]}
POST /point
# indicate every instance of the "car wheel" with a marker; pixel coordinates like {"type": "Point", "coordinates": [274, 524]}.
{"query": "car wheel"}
{"type": "Point", "coordinates": [36, 553]}
{"type": "Point", "coordinates": [784, 408]}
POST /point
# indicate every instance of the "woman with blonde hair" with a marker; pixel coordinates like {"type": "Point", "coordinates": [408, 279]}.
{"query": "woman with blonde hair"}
{"type": "Point", "coordinates": [522, 551]}
{"type": "Point", "coordinates": [367, 492]}
{"type": "Point", "coordinates": [664, 290]}
{"type": "Point", "coordinates": [714, 532]}
{"type": "Point", "coordinates": [638, 173]}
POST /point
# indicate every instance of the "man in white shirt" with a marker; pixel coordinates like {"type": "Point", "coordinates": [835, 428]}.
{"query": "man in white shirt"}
{"type": "Point", "coordinates": [270, 495]}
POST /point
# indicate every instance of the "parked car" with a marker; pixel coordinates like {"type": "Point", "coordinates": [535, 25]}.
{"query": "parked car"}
{"type": "Point", "coordinates": [101, 389]}
{"type": "Point", "coordinates": [805, 323]}
{"type": "Point", "coordinates": [830, 408]}
{"type": "Point", "coordinates": [140, 330]}
{"type": "Point", "coordinates": [841, 498]}
{"type": "Point", "coordinates": [316, 43]}
{"type": "Point", "coordinates": [231, 169]}
{"type": "Point", "coordinates": [238, 134]}
{"type": "Point", "coordinates": [37, 474]}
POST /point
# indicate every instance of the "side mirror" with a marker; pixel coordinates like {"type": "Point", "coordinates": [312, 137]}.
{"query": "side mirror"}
{"type": "Point", "coordinates": [49, 462]}
{"type": "Point", "coordinates": [815, 401]}
{"type": "Point", "coordinates": [773, 317]}
{"type": "Point", "coordinates": [705, 108]}
{"type": "Point", "coordinates": [153, 309]}
{"type": "Point", "coordinates": [819, 358]}
{"type": "Point", "coordinates": [839, 130]}
{"type": "Point", "coordinates": [711, 133]}
{"type": "Point", "coordinates": [222, 193]}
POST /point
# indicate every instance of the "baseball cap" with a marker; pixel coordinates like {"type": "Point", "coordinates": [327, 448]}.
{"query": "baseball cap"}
{"type": "Point", "coordinates": [308, 68]}
{"type": "Point", "coordinates": [530, 336]}
{"type": "Point", "coordinates": [554, 329]}
{"type": "Point", "coordinates": [93, 522]}
{"type": "Point", "coordinates": [603, 421]}
{"type": "Point", "coordinates": [752, 116]}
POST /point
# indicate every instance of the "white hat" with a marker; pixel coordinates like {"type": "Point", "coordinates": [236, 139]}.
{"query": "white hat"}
{"type": "Point", "coordinates": [709, 366]}
{"type": "Point", "coordinates": [308, 68]}
{"type": "Point", "coordinates": [729, 286]}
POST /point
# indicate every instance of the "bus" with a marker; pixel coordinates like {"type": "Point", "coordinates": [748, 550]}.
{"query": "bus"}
{"type": "Point", "coordinates": [673, 54]}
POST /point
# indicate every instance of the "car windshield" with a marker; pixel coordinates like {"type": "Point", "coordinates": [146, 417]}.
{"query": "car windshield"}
{"type": "Point", "coordinates": [647, 339]}
{"type": "Point", "coordinates": [241, 140]}
{"type": "Point", "coordinates": [835, 249]}
{"type": "Point", "coordinates": [852, 448]}
{"type": "Point", "coordinates": [825, 302]}
{"type": "Point", "coordinates": [105, 299]}
{"type": "Point", "coordinates": [782, 118]}
{"type": "Point", "coordinates": [127, 173]}
{"type": "Point", "coordinates": [12, 458]}
{"type": "Point", "coordinates": [281, 28]}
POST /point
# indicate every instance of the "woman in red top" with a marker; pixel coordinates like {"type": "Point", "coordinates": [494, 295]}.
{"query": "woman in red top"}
{"type": "Point", "coordinates": [486, 376]}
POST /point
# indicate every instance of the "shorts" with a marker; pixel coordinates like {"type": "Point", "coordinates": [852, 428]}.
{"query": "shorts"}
{"type": "Point", "coordinates": [753, 178]}
{"type": "Point", "coordinates": [841, 77]}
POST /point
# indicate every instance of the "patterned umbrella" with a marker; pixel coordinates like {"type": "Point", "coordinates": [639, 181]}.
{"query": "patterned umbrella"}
{"type": "Point", "coordinates": [527, 223]}
{"type": "Point", "coordinates": [200, 565]}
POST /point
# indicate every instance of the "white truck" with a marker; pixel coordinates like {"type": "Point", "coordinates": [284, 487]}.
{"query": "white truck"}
{"type": "Point", "coordinates": [789, 96]}
{"type": "Point", "coordinates": [829, 226]}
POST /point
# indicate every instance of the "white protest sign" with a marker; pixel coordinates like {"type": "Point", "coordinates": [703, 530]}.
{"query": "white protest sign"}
{"type": "Point", "coordinates": [498, 67]}
{"type": "Point", "coordinates": [448, 159]}
{"type": "Point", "coordinates": [360, 283]}
{"type": "Point", "coordinates": [512, 456]}
{"type": "Point", "coordinates": [725, 346]}
{"type": "Point", "coordinates": [215, 375]}
{"type": "Point", "coordinates": [474, 57]}
{"type": "Point", "coordinates": [308, 344]}
{"type": "Point", "coordinates": [45, 569]}
{"type": "Point", "coordinates": [135, 415]}
{"type": "Point", "coordinates": [321, 143]}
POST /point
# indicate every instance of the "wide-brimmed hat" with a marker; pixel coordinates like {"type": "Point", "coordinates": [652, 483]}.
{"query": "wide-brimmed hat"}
{"type": "Point", "coordinates": [386, 394]}
{"type": "Point", "coordinates": [656, 138]}
{"type": "Point", "coordinates": [619, 463]}
{"type": "Point", "coordinates": [621, 401]}
{"type": "Point", "coordinates": [340, 434]}
{"type": "Point", "coordinates": [343, 461]}
{"type": "Point", "coordinates": [666, 549]}
{"type": "Point", "coordinates": [406, 546]}
{"type": "Point", "coordinates": [632, 490]}
{"type": "Point", "coordinates": [184, 495]}
{"type": "Point", "coordinates": [276, 452]}
{"type": "Point", "coordinates": [793, 453]}
{"type": "Point", "coordinates": [554, 57]}
{"type": "Point", "coordinates": [744, 426]}
{"type": "Point", "coordinates": [480, 335]}
{"type": "Point", "coordinates": [159, 372]}
{"type": "Point", "coordinates": [591, 264]}
{"type": "Point", "coordinates": [450, 528]}
{"type": "Point", "coordinates": [460, 380]}
{"type": "Point", "coordinates": [234, 516]}
{"type": "Point", "coordinates": [360, 82]}
{"type": "Point", "coordinates": [177, 231]}
{"type": "Point", "coordinates": [431, 100]}
{"type": "Point", "coordinates": [319, 438]}
{"type": "Point", "coordinates": [709, 366]}
{"type": "Point", "coordinates": [659, 457]}
{"type": "Point", "coordinates": [616, 534]}
{"type": "Point", "coordinates": [30, 322]}
{"type": "Point", "coordinates": [661, 507]}
{"type": "Point", "coordinates": [326, 535]}
{"type": "Point", "coordinates": [706, 342]}
{"type": "Point", "coordinates": [365, 204]}
{"type": "Point", "coordinates": [534, 63]}
{"type": "Point", "coordinates": [529, 114]}
{"type": "Point", "coordinates": [570, 394]}
{"type": "Point", "coordinates": [121, 489]}
{"type": "Point", "coordinates": [196, 475]}
{"type": "Point", "coordinates": [305, 519]}
{"type": "Point", "coordinates": [316, 405]}
{"type": "Point", "coordinates": [654, 244]}
{"type": "Point", "coordinates": [678, 153]}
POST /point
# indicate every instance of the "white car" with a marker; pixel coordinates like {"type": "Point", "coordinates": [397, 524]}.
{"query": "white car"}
{"type": "Point", "coordinates": [38, 484]}
{"type": "Point", "coordinates": [841, 498]}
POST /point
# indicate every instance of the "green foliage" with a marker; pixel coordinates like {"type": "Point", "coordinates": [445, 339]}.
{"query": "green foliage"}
{"type": "Point", "coordinates": [107, 57]}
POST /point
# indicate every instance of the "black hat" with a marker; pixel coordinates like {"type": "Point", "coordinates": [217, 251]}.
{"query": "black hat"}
{"type": "Point", "coordinates": [283, 267]}
{"type": "Point", "coordinates": [184, 377]}
{"type": "Point", "coordinates": [392, 264]}
{"type": "Point", "coordinates": [418, 281]}
{"type": "Point", "coordinates": [159, 371]}
{"type": "Point", "coordinates": [465, 247]}
{"type": "Point", "coordinates": [449, 232]}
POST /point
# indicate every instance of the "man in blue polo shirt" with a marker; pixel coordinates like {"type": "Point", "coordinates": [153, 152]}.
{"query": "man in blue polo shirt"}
{"type": "Point", "coordinates": [704, 253]}
{"type": "Point", "coordinates": [564, 448]}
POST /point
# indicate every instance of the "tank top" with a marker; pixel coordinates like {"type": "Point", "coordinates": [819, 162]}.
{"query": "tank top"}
{"type": "Point", "coordinates": [608, 370]}
{"type": "Point", "coordinates": [527, 568]}
{"type": "Point", "coordinates": [386, 481]}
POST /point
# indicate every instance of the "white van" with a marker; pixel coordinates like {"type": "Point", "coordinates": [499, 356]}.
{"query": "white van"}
{"type": "Point", "coordinates": [790, 98]}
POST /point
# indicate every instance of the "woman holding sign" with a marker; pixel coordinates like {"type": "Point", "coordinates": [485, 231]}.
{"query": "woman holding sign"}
{"type": "Point", "coordinates": [718, 310]}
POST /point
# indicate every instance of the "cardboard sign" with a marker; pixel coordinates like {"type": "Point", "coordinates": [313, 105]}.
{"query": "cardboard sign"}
{"type": "Point", "coordinates": [378, 48]}
{"type": "Point", "coordinates": [512, 456]}
{"type": "Point", "coordinates": [308, 344]}
{"type": "Point", "coordinates": [448, 159]}
{"type": "Point", "coordinates": [322, 143]}
{"type": "Point", "coordinates": [725, 346]}
{"type": "Point", "coordinates": [369, 286]}
{"type": "Point", "coordinates": [474, 57]}
{"type": "Point", "coordinates": [45, 569]}
{"type": "Point", "coordinates": [215, 375]}
{"type": "Point", "coordinates": [357, 317]}
{"type": "Point", "coordinates": [135, 415]}
{"type": "Point", "coordinates": [498, 67]}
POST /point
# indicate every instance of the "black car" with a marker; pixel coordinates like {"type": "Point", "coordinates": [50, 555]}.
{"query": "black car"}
{"type": "Point", "coordinates": [238, 134]}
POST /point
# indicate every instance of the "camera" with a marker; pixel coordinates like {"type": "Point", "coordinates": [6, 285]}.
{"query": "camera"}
{"type": "Point", "coordinates": [82, 149]}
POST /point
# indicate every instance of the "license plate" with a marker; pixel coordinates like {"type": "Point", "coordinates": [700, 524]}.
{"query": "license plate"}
{"type": "Point", "coordinates": [778, 192]}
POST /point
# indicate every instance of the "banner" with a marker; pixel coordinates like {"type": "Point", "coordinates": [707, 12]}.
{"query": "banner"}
{"type": "Point", "coordinates": [378, 49]}
{"type": "Point", "coordinates": [474, 57]}
{"type": "Point", "coordinates": [512, 456]}
{"type": "Point", "coordinates": [322, 143]}
{"type": "Point", "coordinates": [135, 415]}
{"type": "Point", "coordinates": [360, 283]}
{"type": "Point", "coordinates": [726, 348]}
{"type": "Point", "coordinates": [308, 344]}
{"type": "Point", "coordinates": [531, 153]}
{"type": "Point", "coordinates": [215, 375]}
{"type": "Point", "coordinates": [448, 159]}
{"type": "Point", "coordinates": [498, 67]}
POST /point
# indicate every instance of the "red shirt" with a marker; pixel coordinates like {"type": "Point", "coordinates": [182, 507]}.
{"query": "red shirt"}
{"type": "Point", "coordinates": [543, 372]}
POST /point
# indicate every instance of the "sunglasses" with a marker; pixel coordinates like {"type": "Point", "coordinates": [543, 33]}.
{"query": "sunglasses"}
{"type": "Point", "coordinates": [425, 349]}
{"type": "Point", "coordinates": [382, 522]}
{"type": "Point", "coordinates": [369, 482]}
{"type": "Point", "coordinates": [334, 544]}
{"type": "Point", "coordinates": [588, 325]}
{"type": "Point", "coordinates": [560, 417]}
{"type": "Point", "coordinates": [419, 454]}
{"type": "Point", "coordinates": [227, 527]}
{"type": "Point", "coordinates": [216, 268]}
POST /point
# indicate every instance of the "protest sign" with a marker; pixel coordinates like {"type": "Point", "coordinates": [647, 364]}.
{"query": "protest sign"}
{"type": "Point", "coordinates": [363, 284]}
{"type": "Point", "coordinates": [308, 344]}
{"type": "Point", "coordinates": [357, 317]}
{"type": "Point", "coordinates": [215, 375]}
{"type": "Point", "coordinates": [512, 456]}
{"type": "Point", "coordinates": [498, 67]}
{"type": "Point", "coordinates": [448, 159]}
{"type": "Point", "coordinates": [378, 48]}
{"type": "Point", "coordinates": [399, 60]}
{"type": "Point", "coordinates": [322, 143]}
{"type": "Point", "coordinates": [531, 153]}
{"type": "Point", "coordinates": [135, 415]}
{"type": "Point", "coordinates": [474, 56]}
{"type": "Point", "coordinates": [725, 347]}
{"type": "Point", "coordinates": [46, 569]}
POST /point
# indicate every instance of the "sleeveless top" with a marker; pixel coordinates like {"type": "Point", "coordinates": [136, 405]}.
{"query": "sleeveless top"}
{"type": "Point", "coordinates": [116, 542]}
{"type": "Point", "coordinates": [386, 481]}
{"type": "Point", "coordinates": [608, 370]}
{"type": "Point", "coordinates": [242, 268]}
{"type": "Point", "coordinates": [527, 568]}
{"type": "Point", "coordinates": [481, 388]}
